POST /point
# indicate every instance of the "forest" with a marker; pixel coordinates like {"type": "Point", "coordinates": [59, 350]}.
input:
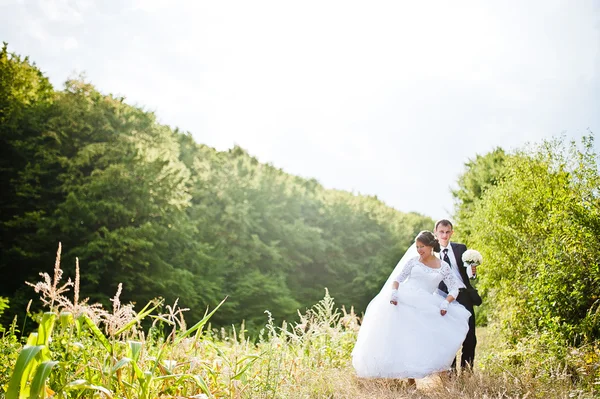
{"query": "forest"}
{"type": "Point", "coordinates": [256, 257]}
{"type": "Point", "coordinates": [144, 205]}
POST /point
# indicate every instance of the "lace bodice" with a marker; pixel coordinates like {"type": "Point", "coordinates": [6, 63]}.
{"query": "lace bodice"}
{"type": "Point", "coordinates": [420, 276]}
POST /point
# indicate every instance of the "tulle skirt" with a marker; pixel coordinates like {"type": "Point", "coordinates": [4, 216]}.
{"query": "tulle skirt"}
{"type": "Point", "coordinates": [411, 339]}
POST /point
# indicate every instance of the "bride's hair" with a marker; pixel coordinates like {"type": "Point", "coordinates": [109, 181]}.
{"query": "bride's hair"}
{"type": "Point", "coordinates": [427, 238]}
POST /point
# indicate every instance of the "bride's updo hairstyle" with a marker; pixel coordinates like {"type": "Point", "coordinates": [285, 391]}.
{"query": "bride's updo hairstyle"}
{"type": "Point", "coordinates": [428, 239]}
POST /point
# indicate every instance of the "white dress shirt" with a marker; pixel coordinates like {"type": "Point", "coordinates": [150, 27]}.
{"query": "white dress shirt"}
{"type": "Point", "coordinates": [452, 258]}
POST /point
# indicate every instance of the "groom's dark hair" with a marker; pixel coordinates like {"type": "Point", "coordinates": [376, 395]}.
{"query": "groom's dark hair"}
{"type": "Point", "coordinates": [443, 222]}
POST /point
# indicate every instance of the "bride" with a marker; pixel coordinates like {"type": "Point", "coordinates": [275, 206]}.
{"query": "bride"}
{"type": "Point", "coordinates": [409, 330]}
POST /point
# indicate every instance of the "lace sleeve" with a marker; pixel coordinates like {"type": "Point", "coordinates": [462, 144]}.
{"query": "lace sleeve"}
{"type": "Point", "coordinates": [405, 272]}
{"type": "Point", "coordinates": [453, 283]}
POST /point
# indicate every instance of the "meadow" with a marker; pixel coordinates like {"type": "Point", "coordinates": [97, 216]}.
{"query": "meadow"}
{"type": "Point", "coordinates": [82, 350]}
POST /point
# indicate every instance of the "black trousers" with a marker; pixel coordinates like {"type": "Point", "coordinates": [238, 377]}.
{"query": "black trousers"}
{"type": "Point", "coordinates": [468, 346]}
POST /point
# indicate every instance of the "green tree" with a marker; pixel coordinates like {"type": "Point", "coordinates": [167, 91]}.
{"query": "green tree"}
{"type": "Point", "coordinates": [537, 231]}
{"type": "Point", "coordinates": [144, 205]}
{"type": "Point", "coordinates": [126, 195]}
{"type": "Point", "coordinates": [279, 240]}
{"type": "Point", "coordinates": [29, 191]}
{"type": "Point", "coordinates": [481, 173]}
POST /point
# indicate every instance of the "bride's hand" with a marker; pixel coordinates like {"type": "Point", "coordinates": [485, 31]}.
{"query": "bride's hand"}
{"type": "Point", "coordinates": [394, 297]}
{"type": "Point", "coordinates": [444, 307]}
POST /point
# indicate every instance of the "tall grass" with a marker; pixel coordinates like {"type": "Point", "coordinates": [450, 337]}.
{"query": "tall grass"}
{"type": "Point", "coordinates": [84, 351]}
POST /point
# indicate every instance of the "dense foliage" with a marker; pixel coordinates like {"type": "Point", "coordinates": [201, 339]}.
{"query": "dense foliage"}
{"type": "Point", "coordinates": [481, 173]}
{"type": "Point", "coordinates": [144, 205]}
{"type": "Point", "coordinates": [537, 227]}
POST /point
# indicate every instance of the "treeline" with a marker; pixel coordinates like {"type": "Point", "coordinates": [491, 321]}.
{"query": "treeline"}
{"type": "Point", "coordinates": [535, 216]}
{"type": "Point", "coordinates": [144, 205]}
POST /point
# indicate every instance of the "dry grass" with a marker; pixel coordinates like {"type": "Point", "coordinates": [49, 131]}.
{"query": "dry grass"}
{"type": "Point", "coordinates": [342, 384]}
{"type": "Point", "coordinates": [482, 383]}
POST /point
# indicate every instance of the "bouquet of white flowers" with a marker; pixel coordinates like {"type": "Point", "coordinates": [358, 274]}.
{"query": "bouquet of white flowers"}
{"type": "Point", "coordinates": [471, 258]}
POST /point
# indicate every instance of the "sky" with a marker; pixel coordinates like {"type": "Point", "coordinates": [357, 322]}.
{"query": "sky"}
{"type": "Point", "coordinates": [383, 98]}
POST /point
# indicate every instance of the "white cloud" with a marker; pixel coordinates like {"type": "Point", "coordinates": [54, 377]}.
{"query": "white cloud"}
{"type": "Point", "coordinates": [150, 6]}
{"type": "Point", "coordinates": [70, 43]}
{"type": "Point", "coordinates": [63, 10]}
{"type": "Point", "coordinates": [36, 31]}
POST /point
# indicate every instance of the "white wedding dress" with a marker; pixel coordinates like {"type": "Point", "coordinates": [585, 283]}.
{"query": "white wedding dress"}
{"type": "Point", "coordinates": [411, 339]}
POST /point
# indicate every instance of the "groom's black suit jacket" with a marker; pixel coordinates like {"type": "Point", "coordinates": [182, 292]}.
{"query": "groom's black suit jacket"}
{"type": "Point", "coordinates": [463, 297]}
{"type": "Point", "coordinates": [459, 250]}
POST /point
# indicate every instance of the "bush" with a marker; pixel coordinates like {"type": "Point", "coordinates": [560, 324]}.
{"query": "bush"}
{"type": "Point", "coordinates": [538, 232]}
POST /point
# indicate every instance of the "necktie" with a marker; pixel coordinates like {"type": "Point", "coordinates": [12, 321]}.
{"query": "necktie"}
{"type": "Point", "coordinates": [445, 258]}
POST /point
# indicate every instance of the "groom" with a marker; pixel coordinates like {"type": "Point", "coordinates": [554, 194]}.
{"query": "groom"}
{"type": "Point", "coordinates": [468, 297]}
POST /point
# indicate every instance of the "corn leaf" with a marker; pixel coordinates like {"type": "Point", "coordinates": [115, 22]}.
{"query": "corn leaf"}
{"type": "Point", "coordinates": [45, 329]}
{"type": "Point", "coordinates": [199, 325]}
{"type": "Point", "coordinates": [120, 364]}
{"type": "Point", "coordinates": [97, 333]}
{"type": "Point", "coordinates": [38, 385]}
{"type": "Point", "coordinates": [80, 385]}
{"type": "Point", "coordinates": [140, 316]}
{"type": "Point", "coordinates": [136, 349]}
{"type": "Point", "coordinates": [250, 359]}
{"type": "Point", "coordinates": [44, 333]}
{"type": "Point", "coordinates": [21, 371]}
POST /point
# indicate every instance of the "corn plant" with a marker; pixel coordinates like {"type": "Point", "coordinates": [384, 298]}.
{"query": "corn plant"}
{"type": "Point", "coordinates": [34, 363]}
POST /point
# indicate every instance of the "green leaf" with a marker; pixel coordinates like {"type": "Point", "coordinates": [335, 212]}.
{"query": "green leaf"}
{"type": "Point", "coordinates": [136, 349]}
{"type": "Point", "coordinates": [39, 380]}
{"type": "Point", "coordinates": [120, 364]}
{"type": "Point", "coordinates": [182, 377]}
{"type": "Point", "coordinates": [45, 329]}
{"type": "Point", "coordinates": [250, 359]}
{"type": "Point", "coordinates": [44, 334]}
{"type": "Point", "coordinates": [21, 371]}
{"type": "Point", "coordinates": [198, 325]}
{"type": "Point", "coordinates": [80, 385]}
{"type": "Point", "coordinates": [32, 339]}
{"type": "Point", "coordinates": [97, 333]}
{"type": "Point", "coordinates": [140, 316]}
{"type": "Point", "coordinates": [66, 319]}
